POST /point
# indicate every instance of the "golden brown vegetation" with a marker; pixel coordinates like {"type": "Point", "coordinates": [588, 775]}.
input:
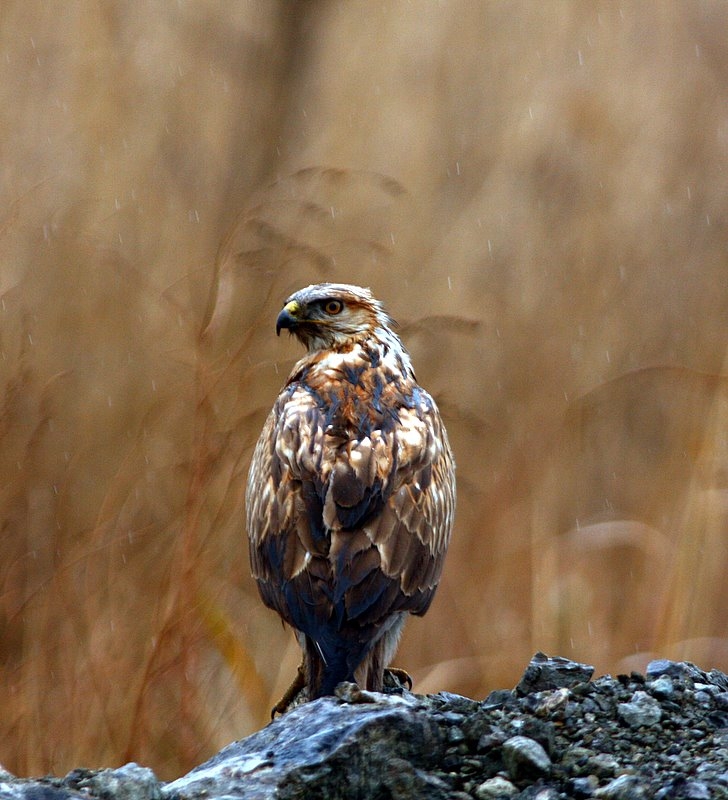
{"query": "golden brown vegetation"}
{"type": "Point", "coordinates": [538, 192]}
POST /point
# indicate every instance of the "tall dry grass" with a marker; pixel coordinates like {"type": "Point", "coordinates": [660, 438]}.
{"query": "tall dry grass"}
{"type": "Point", "coordinates": [539, 195]}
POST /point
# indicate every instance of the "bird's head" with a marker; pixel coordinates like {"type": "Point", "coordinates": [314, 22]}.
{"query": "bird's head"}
{"type": "Point", "coordinates": [332, 316]}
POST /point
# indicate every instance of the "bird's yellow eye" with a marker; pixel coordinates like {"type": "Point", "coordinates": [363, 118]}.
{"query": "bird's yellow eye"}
{"type": "Point", "coordinates": [333, 306]}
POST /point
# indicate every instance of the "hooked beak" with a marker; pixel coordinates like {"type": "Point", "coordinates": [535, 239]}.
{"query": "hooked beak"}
{"type": "Point", "coordinates": [288, 317]}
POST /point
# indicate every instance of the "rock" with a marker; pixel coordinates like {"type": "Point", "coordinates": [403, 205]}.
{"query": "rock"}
{"type": "Point", "coordinates": [575, 760]}
{"type": "Point", "coordinates": [662, 688]}
{"type": "Point", "coordinates": [549, 703]}
{"type": "Point", "coordinates": [499, 698]}
{"type": "Point", "coordinates": [543, 793]}
{"type": "Point", "coordinates": [718, 679]}
{"type": "Point", "coordinates": [685, 790]}
{"type": "Point", "coordinates": [641, 710]}
{"type": "Point", "coordinates": [675, 669]}
{"type": "Point", "coordinates": [625, 787]}
{"type": "Point", "coordinates": [130, 782]}
{"type": "Point", "coordinates": [328, 748]}
{"type": "Point", "coordinates": [494, 788]}
{"type": "Point", "coordinates": [664, 736]}
{"type": "Point", "coordinates": [602, 765]}
{"type": "Point", "coordinates": [584, 787]}
{"type": "Point", "coordinates": [525, 758]}
{"type": "Point", "coordinates": [552, 673]}
{"type": "Point", "coordinates": [696, 790]}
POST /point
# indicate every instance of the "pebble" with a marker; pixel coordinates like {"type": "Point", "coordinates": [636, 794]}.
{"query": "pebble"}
{"type": "Point", "coordinates": [525, 758]}
{"type": "Point", "coordinates": [495, 787]}
{"type": "Point", "coordinates": [550, 703]}
{"type": "Point", "coordinates": [625, 787]}
{"type": "Point", "coordinates": [602, 765]}
{"type": "Point", "coordinates": [584, 787]}
{"type": "Point", "coordinates": [640, 710]}
{"type": "Point", "coordinates": [662, 688]}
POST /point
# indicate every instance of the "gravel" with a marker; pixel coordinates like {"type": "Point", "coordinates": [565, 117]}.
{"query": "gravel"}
{"type": "Point", "coordinates": [558, 734]}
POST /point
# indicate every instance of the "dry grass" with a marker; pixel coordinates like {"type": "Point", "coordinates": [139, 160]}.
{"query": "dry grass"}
{"type": "Point", "coordinates": [538, 192]}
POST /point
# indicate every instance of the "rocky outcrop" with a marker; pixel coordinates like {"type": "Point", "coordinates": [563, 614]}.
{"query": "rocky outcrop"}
{"type": "Point", "coordinates": [558, 734]}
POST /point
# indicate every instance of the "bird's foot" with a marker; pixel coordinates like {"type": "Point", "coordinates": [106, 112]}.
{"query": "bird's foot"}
{"type": "Point", "coordinates": [291, 693]}
{"type": "Point", "coordinates": [395, 678]}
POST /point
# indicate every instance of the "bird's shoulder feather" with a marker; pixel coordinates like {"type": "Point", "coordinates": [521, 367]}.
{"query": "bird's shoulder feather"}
{"type": "Point", "coordinates": [351, 489]}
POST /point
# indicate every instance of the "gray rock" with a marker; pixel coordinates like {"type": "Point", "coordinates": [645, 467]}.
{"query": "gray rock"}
{"type": "Point", "coordinates": [576, 759]}
{"type": "Point", "coordinates": [662, 687]}
{"type": "Point", "coordinates": [130, 782]}
{"type": "Point", "coordinates": [625, 787]}
{"type": "Point", "coordinates": [675, 669]}
{"type": "Point", "coordinates": [546, 672]}
{"type": "Point", "coordinates": [495, 787]}
{"type": "Point", "coordinates": [19, 789]}
{"type": "Point", "coordinates": [498, 698]}
{"type": "Point", "coordinates": [603, 765]}
{"type": "Point", "coordinates": [326, 748]}
{"type": "Point", "coordinates": [697, 790]}
{"type": "Point", "coordinates": [545, 793]}
{"type": "Point", "coordinates": [719, 679]}
{"type": "Point", "coordinates": [525, 758]}
{"type": "Point", "coordinates": [584, 787]}
{"type": "Point", "coordinates": [641, 710]}
{"type": "Point", "coordinates": [623, 738]}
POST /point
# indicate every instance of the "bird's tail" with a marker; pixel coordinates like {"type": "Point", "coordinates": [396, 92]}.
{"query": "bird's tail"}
{"type": "Point", "coordinates": [325, 670]}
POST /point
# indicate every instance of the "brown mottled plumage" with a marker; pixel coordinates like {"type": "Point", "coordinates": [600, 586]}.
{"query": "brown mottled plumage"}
{"type": "Point", "coordinates": [351, 492]}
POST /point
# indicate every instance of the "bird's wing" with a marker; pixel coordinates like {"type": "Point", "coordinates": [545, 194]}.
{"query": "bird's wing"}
{"type": "Point", "coordinates": [409, 535]}
{"type": "Point", "coordinates": [351, 529]}
{"type": "Point", "coordinates": [283, 511]}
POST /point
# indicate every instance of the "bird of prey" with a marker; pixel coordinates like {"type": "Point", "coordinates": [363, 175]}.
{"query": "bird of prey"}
{"type": "Point", "coordinates": [351, 491]}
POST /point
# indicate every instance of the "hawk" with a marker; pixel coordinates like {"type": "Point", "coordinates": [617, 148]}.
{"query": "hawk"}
{"type": "Point", "coordinates": [351, 492]}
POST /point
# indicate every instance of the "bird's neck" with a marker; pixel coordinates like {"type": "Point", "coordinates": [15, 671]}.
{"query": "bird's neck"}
{"type": "Point", "coordinates": [359, 389]}
{"type": "Point", "coordinates": [379, 349]}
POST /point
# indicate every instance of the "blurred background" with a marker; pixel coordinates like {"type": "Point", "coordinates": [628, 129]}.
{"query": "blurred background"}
{"type": "Point", "coordinates": [539, 194]}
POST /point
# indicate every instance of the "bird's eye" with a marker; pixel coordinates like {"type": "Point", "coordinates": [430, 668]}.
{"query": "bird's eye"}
{"type": "Point", "coordinates": [333, 306]}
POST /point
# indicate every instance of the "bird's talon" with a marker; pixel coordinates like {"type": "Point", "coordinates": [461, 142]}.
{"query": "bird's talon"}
{"type": "Point", "coordinates": [400, 677]}
{"type": "Point", "coordinates": [298, 683]}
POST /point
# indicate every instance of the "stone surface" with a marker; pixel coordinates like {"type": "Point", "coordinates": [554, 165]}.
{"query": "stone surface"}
{"type": "Point", "coordinates": [494, 788]}
{"type": "Point", "coordinates": [640, 710]}
{"type": "Point", "coordinates": [525, 758]}
{"type": "Point", "coordinates": [328, 748]}
{"type": "Point", "coordinates": [663, 735]}
{"type": "Point", "coordinates": [552, 673]}
{"type": "Point", "coordinates": [130, 782]}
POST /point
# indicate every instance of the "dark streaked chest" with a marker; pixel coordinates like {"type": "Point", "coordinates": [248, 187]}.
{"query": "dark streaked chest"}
{"type": "Point", "coordinates": [357, 391]}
